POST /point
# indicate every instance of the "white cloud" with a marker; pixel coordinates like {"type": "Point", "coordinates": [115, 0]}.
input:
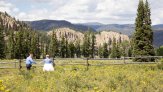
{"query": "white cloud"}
{"type": "Point", "coordinates": [5, 6]}
{"type": "Point", "coordinates": [104, 11]}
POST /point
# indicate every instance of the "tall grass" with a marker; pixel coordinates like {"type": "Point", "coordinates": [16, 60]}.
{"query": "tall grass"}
{"type": "Point", "coordinates": [117, 78]}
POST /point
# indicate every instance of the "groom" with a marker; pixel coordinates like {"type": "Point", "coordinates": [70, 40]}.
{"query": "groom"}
{"type": "Point", "coordinates": [29, 61]}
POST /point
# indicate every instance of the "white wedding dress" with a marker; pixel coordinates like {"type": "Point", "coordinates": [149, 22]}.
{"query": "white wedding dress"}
{"type": "Point", "coordinates": [48, 65]}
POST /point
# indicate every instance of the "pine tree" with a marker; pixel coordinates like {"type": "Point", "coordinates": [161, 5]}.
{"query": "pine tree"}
{"type": "Point", "coordinates": [45, 42]}
{"type": "Point", "coordinates": [18, 43]}
{"type": "Point", "coordinates": [71, 50]}
{"type": "Point", "coordinates": [86, 45]}
{"type": "Point", "coordinates": [125, 45]}
{"type": "Point", "coordinates": [148, 31]}
{"type": "Point", "coordinates": [143, 36]}
{"type": "Point", "coordinates": [33, 44]}
{"type": "Point", "coordinates": [38, 51]}
{"type": "Point", "coordinates": [78, 49]}
{"type": "Point", "coordinates": [113, 49]}
{"type": "Point", "coordinates": [27, 43]}
{"type": "Point", "coordinates": [100, 51]}
{"type": "Point", "coordinates": [67, 51]}
{"type": "Point", "coordinates": [11, 44]}
{"type": "Point", "coordinates": [63, 47]}
{"type": "Point", "coordinates": [42, 48]}
{"type": "Point", "coordinates": [138, 39]}
{"type": "Point", "coordinates": [160, 51]}
{"type": "Point", "coordinates": [105, 50]}
{"type": "Point", "coordinates": [53, 49]}
{"type": "Point", "coordinates": [2, 44]}
{"type": "Point", "coordinates": [93, 42]}
{"type": "Point", "coordinates": [118, 53]}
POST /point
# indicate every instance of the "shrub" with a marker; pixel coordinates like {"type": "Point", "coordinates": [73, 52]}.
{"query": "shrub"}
{"type": "Point", "coordinates": [160, 64]}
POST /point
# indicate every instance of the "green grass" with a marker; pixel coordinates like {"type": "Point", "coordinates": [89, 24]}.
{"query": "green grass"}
{"type": "Point", "coordinates": [63, 62]}
{"type": "Point", "coordinates": [117, 78]}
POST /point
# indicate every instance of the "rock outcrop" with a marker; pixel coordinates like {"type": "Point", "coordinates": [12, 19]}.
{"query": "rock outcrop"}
{"type": "Point", "coordinates": [105, 36]}
{"type": "Point", "coordinates": [101, 37]}
{"type": "Point", "coordinates": [8, 22]}
{"type": "Point", "coordinates": [72, 35]}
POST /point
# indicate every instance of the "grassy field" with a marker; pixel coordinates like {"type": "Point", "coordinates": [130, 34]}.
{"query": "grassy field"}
{"type": "Point", "coordinates": [61, 61]}
{"type": "Point", "coordinates": [117, 78]}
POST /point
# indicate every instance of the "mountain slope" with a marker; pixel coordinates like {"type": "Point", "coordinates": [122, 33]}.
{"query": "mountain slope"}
{"type": "Point", "coordinates": [127, 29]}
{"type": "Point", "coordinates": [8, 22]}
{"type": "Point", "coordinates": [47, 25]}
{"type": "Point", "coordinates": [122, 28]}
{"type": "Point", "coordinates": [158, 27]}
{"type": "Point", "coordinates": [158, 38]}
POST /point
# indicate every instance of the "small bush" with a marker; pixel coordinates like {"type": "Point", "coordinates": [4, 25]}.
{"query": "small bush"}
{"type": "Point", "coordinates": [160, 64]}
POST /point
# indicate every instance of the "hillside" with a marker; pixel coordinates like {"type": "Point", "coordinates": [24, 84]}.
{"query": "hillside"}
{"type": "Point", "coordinates": [158, 38]}
{"type": "Point", "coordinates": [127, 29]}
{"type": "Point", "coordinates": [8, 22]}
{"type": "Point", "coordinates": [11, 23]}
{"type": "Point", "coordinates": [47, 25]}
{"type": "Point", "coordinates": [102, 37]}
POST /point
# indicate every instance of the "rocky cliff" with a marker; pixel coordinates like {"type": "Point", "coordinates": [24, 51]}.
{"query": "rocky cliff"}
{"type": "Point", "coordinates": [105, 36]}
{"type": "Point", "coordinates": [101, 37]}
{"type": "Point", "coordinates": [7, 21]}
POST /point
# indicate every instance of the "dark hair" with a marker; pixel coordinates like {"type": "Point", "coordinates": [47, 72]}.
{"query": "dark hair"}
{"type": "Point", "coordinates": [30, 53]}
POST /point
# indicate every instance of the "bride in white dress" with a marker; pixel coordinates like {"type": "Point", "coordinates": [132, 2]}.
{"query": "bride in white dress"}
{"type": "Point", "coordinates": [48, 64]}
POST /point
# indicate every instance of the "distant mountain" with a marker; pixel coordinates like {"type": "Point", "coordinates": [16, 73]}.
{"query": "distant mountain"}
{"type": "Point", "coordinates": [122, 28]}
{"type": "Point", "coordinates": [158, 27]}
{"type": "Point", "coordinates": [94, 25]}
{"type": "Point", "coordinates": [127, 29]}
{"type": "Point", "coordinates": [158, 38]}
{"type": "Point", "coordinates": [11, 23]}
{"type": "Point", "coordinates": [47, 25]}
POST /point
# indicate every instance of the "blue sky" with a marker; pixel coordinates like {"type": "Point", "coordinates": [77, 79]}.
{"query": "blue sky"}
{"type": "Point", "coordinates": [80, 11]}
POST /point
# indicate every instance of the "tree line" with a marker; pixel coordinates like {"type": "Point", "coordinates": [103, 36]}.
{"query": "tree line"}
{"type": "Point", "coordinates": [143, 37]}
{"type": "Point", "coordinates": [17, 44]}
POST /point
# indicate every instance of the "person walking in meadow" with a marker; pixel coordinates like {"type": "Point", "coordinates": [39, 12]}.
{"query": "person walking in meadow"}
{"type": "Point", "coordinates": [29, 61]}
{"type": "Point", "coordinates": [48, 64]}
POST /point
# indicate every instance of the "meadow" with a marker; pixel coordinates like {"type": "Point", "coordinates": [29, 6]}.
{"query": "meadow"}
{"type": "Point", "coordinates": [76, 78]}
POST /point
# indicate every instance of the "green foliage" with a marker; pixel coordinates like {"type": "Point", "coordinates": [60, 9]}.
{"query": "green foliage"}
{"type": "Point", "coordinates": [19, 39]}
{"type": "Point", "coordinates": [115, 53]}
{"type": "Point", "coordinates": [105, 51]}
{"type": "Point", "coordinates": [160, 64]}
{"type": "Point", "coordinates": [143, 36]}
{"type": "Point", "coordinates": [35, 47]}
{"type": "Point", "coordinates": [86, 48]}
{"type": "Point", "coordinates": [53, 49]}
{"type": "Point", "coordinates": [78, 49]}
{"type": "Point", "coordinates": [11, 45]}
{"type": "Point", "coordinates": [100, 51]}
{"type": "Point", "coordinates": [93, 42]}
{"type": "Point", "coordinates": [125, 49]}
{"type": "Point", "coordinates": [71, 49]}
{"type": "Point", "coordinates": [67, 53]}
{"type": "Point", "coordinates": [63, 47]}
{"type": "Point", "coordinates": [160, 51]}
{"type": "Point", "coordinates": [2, 44]}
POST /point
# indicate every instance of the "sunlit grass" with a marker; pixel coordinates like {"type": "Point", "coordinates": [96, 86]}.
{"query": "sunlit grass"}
{"type": "Point", "coordinates": [117, 78]}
